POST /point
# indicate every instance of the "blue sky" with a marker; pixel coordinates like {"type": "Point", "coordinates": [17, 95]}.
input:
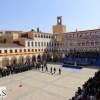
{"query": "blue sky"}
{"type": "Point", "coordinates": [30, 14]}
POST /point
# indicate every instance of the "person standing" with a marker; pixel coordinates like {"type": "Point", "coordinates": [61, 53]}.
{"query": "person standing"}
{"type": "Point", "coordinates": [42, 67]}
{"type": "Point", "coordinates": [54, 70]}
{"type": "Point", "coordinates": [59, 71]}
{"type": "Point", "coordinates": [46, 69]}
{"type": "Point", "coordinates": [38, 66]}
{"type": "Point", "coordinates": [51, 70]}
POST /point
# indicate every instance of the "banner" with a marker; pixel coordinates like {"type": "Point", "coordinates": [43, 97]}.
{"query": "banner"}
{"type": "Point", "coordinates": [58, 39]}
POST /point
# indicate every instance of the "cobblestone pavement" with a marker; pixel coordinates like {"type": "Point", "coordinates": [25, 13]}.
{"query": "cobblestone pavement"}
{"type": "Point", "coordinates": [38, 85]}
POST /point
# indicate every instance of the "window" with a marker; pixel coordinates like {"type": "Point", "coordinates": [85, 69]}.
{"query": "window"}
{"type": "Point", "coordinates": [38, 49]}
{"type": "Point", "coordinates": [44, 49]}
{"type": "Point", "coordinates": [28, 50]}
{"type": "Point", "coordinates": [38, 36]}
{"type": "Point", "coordinates": [44, 36]}
{"type": "Point", "coordinates": [15, 50]}
{"type": "Point", "coordinates": [41, 36]}
{"type": "Point", "coordinates": [32, 44]}
{"type": "Point", "coordinates": [35, 49]}
{"type": "Point", "coordinates": [0, 51]}
{"type": "Point", "coordinates": [32, 50]}
{"type": "Point", "coordinates": [36, 44]}
{"type": "Point", "coordinates": [42, 44]}
{"type": "Point", "coordinates": [7, 32]}
{"type": "Point", "coordinates": [24, 50]}
{"type": "Point", "coordinates": [35, 35]}
{"type": "Point", "coordinates": [5, 51]}
{"type": "Point", "coordinates": [28, 44]}
{"type": "Point", "coordinates": [20, 50]}
{"type": "Point", "coordinates": [10, 51]}
{"type": "Point", "coordinates": [41, 49]}
{"type": "Point", "coordinates": [39, 44]}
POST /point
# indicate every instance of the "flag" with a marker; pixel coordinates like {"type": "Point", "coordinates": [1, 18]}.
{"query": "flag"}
{"type": "Point", "coordinates": [58, 39]}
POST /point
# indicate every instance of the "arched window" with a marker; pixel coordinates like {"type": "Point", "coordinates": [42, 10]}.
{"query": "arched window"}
{"type": "Point", "coordinates": [35, 35]}
{"type": "Point", "coordinates": [36, 44]}
{"type": "Point", "coordinates": [32, 43]}
{"type": "Point", "coordinates": [41, 36]}
{"type": "Point", "coordinates": [28, 44]}
{"type": "Point", "coordinates": [55, 44]}
{"type": "Point", "coordinates": [44, 36]}
{"type": "Point", "coordinates": [38, 36]}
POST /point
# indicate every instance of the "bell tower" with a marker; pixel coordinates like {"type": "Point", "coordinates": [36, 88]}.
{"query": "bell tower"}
{"type": "Point", "coordinates": [59, 28]}
{"type": "Point", "coordinates": [59, 20]}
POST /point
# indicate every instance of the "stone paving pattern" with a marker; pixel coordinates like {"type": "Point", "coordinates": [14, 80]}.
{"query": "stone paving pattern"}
{"type": "Point", "coordinates": [38, 85]}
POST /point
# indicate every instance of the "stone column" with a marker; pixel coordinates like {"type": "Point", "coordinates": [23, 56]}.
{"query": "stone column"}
{"type": "Point", "coordinates": [24, 60]}
{"type": "Point", "coordinates": [9, 60]}
{"type": "Point", "coordinates": [17, 59]}
{"type": "Point", "coordinates": [31, 57]}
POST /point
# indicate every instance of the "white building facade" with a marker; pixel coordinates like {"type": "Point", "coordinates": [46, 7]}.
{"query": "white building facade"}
{"type": "Point", "coordinates": [27, 48]}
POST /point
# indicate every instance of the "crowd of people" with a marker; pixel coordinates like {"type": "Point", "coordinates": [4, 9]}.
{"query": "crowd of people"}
{"type": "Point", "coordinates": [22, 67]}
{"type": "Point", "coordinates": [87, 54]}
{"type": "Point", "coordinates": [90, 90]}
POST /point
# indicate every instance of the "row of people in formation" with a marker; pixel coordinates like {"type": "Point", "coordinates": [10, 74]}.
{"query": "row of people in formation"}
{"type": "Point", "coordinates": [18, 68]}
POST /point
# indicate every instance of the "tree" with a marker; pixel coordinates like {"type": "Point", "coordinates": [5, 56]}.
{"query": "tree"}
{"type": "Point", "coordinates": [37, 29]}
{"type": "Point", "coordinates": [32, 29]}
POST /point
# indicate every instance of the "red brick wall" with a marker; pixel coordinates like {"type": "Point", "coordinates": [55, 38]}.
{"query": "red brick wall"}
{"type": "Point", "coordinates": [22, 41]}
{"type": "Point", "coordinates": [31, 35]}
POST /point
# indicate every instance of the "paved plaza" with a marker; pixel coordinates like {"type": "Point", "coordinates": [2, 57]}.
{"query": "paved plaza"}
{"type": "Point", "coordinates": [38, 85]}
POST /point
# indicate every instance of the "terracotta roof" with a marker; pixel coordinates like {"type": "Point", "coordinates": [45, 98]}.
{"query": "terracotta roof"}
{"type": "Point", "coordinates": [8, 45]}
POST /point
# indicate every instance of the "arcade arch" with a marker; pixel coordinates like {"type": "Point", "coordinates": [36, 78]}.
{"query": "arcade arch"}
{"type": "Point", "coordinates": [5, 61]}
{"type": "Point", "coordinates": [21, 59]}
{"type": "Point", "coordinates": [39, 57]}
{"type": "Point", "coordinates": [44, 57]}
{"type": "Point", "coordinates": [27, 58]}
{"type": "Point", "coordinates": [13, 60]}
{"type": "Point", "coordinates": [33, 58]}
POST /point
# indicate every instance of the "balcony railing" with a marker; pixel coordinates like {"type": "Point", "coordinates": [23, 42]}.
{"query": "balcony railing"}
{"type": "Point", "coordinates": [20, 53]}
